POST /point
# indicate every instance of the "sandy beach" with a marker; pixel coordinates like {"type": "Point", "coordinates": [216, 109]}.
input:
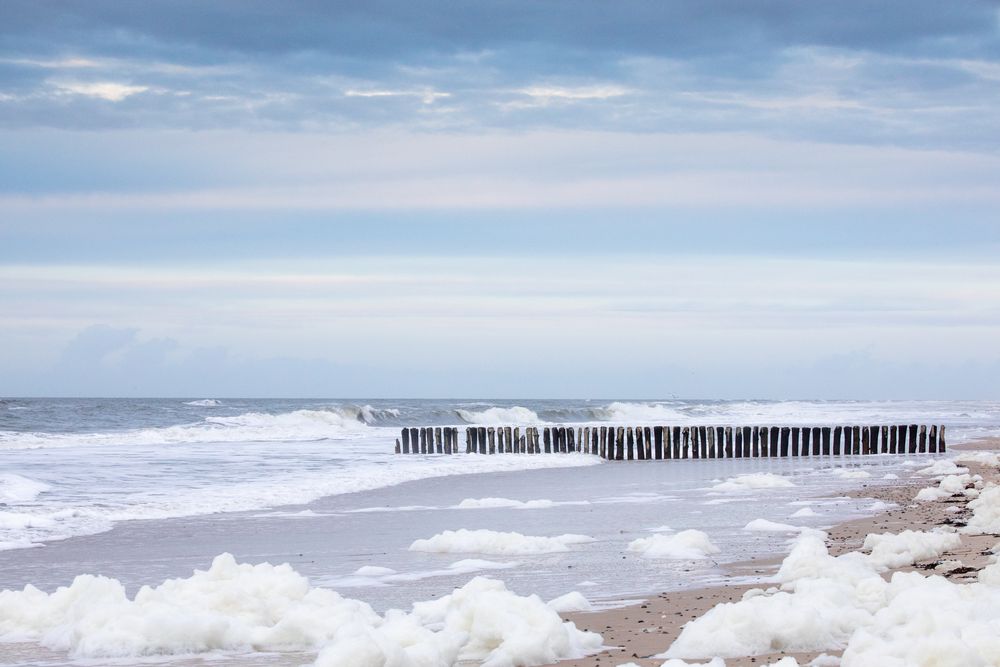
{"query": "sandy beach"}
{"type": "Point", "coordinates": [637, 632]}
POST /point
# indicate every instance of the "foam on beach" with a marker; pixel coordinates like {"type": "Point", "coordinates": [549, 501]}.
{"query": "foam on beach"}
{"type": "Point", "coordinates": [765, 526]}
{"type": "Point", "coordinates": [493, 542]}
{"type": "Point", "coordinates": [754, 482]}
{"type": "Point", "coordinates": [685, 545]}
{"type": "Point", "coordinates": [846, 603]}
{"type": "Point", "coordinates": [247, 608]}
{"type": "Point", "coordinates": [493, 503]}
{"type": "Point", "coordinates": [822, 602]}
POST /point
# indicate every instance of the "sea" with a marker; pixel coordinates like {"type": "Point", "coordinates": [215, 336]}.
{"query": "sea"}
{"type": "Point", "coordinates": [144, 490]}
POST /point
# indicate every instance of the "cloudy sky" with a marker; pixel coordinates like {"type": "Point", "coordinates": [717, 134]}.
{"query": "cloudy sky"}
{"type": "Point", "coordinates": [773, 199]}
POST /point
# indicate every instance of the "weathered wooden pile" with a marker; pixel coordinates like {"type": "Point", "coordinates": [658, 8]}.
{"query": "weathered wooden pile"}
{"type": "Point", "coordinates": [628, 443]}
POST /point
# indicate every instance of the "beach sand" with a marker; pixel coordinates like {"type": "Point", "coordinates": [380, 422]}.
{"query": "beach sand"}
{"type": "Point", "coordinates": [638, 631]}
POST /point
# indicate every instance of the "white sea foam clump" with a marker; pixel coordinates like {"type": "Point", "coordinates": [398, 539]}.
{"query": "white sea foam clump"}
{"type": "Point", "coordinates": [16, 488]}
{"type": "Point", "coordinates": [847, 473]}
{"type": "Point", "coordinates": [803, 512]}
{"type": "Point", "coordinates": [572, 601]}
{"type": "Point", "coordinates": [685, 545]}
{"type": "Point", "coordinates": [497, 543]}
{"type": "Point", "coordinates": [503, 416]}
{"type": "Point", "coordinates": [828, 603]}
{"type": "Point", "coordinates": [951, 485]}
{"type": "Point", "coordinates": [490, 503]}
{"type": "Point", "coordinates": [985, 517]}
{"type": "Point", "coordinates": [985, 458]}
{"type": "Point", "coordinates": [942, 467]}
{"type": "Point", "coordinates": [892, 550]}
{"type": "Point", "coordinates": [242, 607]}
{"type": "Point", "coordinates": [754, 481]}
{"type": "Point", "coordinates": [764, 526]}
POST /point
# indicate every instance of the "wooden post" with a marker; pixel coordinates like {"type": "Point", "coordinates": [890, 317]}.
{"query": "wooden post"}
{"type": "Point", "coordinates": [447, 440]}
{"type": "Point", "coordinates": [941, 445]}
{"type": "Point", "coordinates": [911, 447]}
{"type": "Point", "coordinates": [932, 445]}
{"type": "Point", "coordinates": [603, 441]}
{"type": "Point", "coordinates": [866, 440]}
{"type": "Point", "coordinates": [676, 442]}
{"type": "Point", "coordinates": [640, 444]}
{"type": "Point", "coordinates": [737, 451]}
{"type": "Point", "coordinates": [482, 439]}
{"type": "Point", "coordinates": [785, 437]}
{"type": "Point", "coordinates": [884, 449]}
{"type": "Point", "coordinates": [774, 441]}
{"type": "Point", "coordinates": [437, 440]}
{"type": "Point", "coordinates": [795, 440]}
{"type": "Point", "coordinates": [806, 441]}
{"type": "Point", "coordinates": [755, 442]}
{"type": "Point", "coordinates": [685, 442]}
{"type": "Point", "coordinates": [695, 446]}
{"type": "Point", "coordinates": [893, 442]}
{"type": "Point", "coordinates": [406, 441]}
{"type": "Point", "coordinates": [657, 442]}
{"type": "Point", "coordinates": [620, 443]}
{"type": "Point", "coordinates": [570, 440]}
{"type": "Point", "coordinates": [630, 442]}
{"type": "Point", "coordinates": [710, 442]}
{"type": "Point", "coordinates": [825, 432]}
{"type": "Point", "coordinates": [922, 440]}
{"type": "Point", "coordinates": [423, 439]}
{"type": "Point", "coordinates": [585, 443]}
{"type": "Point", "coordinates": [647, 441]}
{"type": "Point", "coordinates": [857, 440]}
{"type": "Point", "coordinates": [547, 436]}
{"type": "Point", "coordinates": [817, 446]}
{"type": "Point", "coordinates": [745, 452]}
{"type": "Point", "coordinates": [491, 435]}
{"type": "Point", "coordinates": [470, 440]}
{"type": "Point", "coordinates": [593, 441]}
{"type": "Point", "coordinates": [837, 431]}
{"type": "Point", "coordinates": [398, 446]}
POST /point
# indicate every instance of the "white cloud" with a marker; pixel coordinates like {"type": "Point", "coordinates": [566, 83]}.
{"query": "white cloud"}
{"type": "Point", "coordinates": [600, 92]}
{"type": "Point", "coordinates": [105, 90]}
{"type": "Point", "coordinates": [427, 96]}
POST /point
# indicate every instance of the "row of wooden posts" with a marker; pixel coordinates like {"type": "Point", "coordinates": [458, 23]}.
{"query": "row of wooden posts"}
{"type": "Point", "coordinates": [628, 443]}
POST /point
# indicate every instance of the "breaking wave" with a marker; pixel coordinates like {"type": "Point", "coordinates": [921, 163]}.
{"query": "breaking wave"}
{"type": "Point", "coordinates": [512, 415]}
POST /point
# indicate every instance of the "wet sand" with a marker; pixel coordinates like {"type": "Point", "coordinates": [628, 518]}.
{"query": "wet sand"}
{"type": "Point", "coordinates": [639, 631]}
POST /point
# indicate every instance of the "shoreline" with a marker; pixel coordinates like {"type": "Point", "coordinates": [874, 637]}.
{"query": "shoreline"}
{"type": "Point", "coordinates": [636, 632]}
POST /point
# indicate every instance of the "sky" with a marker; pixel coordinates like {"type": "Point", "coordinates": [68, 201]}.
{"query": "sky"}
{"type": "Point", "coordinates": [389, 198]}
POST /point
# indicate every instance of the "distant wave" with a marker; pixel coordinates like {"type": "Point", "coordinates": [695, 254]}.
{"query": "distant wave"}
{"type": "Point", "coordinates": [620, 412]}
{"type": "Point", "coordinates": [205, 403]}
{"type": "Point", "coordinates": [513, 415]}
{"type": "Point", "coordinates": [299, 425]}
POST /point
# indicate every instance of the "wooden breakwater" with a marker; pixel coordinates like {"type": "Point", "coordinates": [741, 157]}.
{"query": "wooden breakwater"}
{"type": "Point", "coordinates": [640, 443]}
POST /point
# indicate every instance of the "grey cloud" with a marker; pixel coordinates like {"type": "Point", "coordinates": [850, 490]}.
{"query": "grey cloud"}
{"type": "Point", "coordinates": [265, 66]}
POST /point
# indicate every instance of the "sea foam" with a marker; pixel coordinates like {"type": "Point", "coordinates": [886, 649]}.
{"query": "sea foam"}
{"type": "Point", "coordinates": [247, 608]}
{"type": "Point", "coordinates": [497, 543]}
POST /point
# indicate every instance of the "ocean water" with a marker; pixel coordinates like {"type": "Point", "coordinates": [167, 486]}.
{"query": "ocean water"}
{"type": "Point", "coordinates": [147, 489]}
